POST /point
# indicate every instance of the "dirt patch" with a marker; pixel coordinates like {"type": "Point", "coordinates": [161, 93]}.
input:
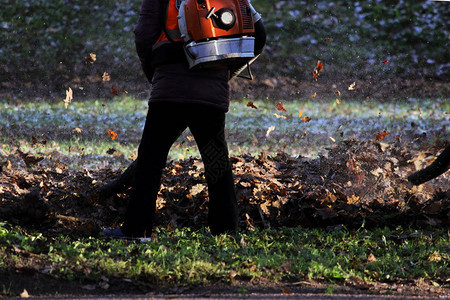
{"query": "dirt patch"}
{"type": "Point", "coordinates": [40, 285]}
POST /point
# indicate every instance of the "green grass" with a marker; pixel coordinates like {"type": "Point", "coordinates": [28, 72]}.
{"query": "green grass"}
{"type": "Point", "coordinates": [247, 128]}
{"type": "Point", "coordinates": [186, 257]}
{"type": "Point", "coordinates": [352, 39]}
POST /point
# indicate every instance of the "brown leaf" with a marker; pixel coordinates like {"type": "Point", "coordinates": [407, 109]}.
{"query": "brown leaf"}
{"type": "Point", "coordinates": [380, 136]}
{"type": "Point", "coordinates": [112, 134]}
{"type": "Point", "coordinates": [111, 151]}
{"type": "Point", "coordinates": [317, 69]}
{"type": "Point", "coordinates": [250, 104]}
{"type": "Point", "coordinates": [69, 97]}
{"type": "Point", "coordinates": [352, 86]}
{"type": "Point", "coordinates": [114, 91]}
{"type": "Point", "coordinates": [319, 66]}
{"type": "Point", "coordinates": [280, 107]}
{"type": "Point", "coordinates": [90, 59]}
{"type": "Point", "coordinates": [77, 130]}
{"type": "Point", "coordinates": [29, 159]}
{"type": "Point", "coordinates": [106, 77]}
{"type": "Point", "coordinates": [352, 200]}
{"type": "Point", "coordinates": [305, 119]}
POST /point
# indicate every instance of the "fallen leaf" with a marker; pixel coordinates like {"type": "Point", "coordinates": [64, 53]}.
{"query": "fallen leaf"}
{"type": "Point", "coordinates": [114, 91]}
{"type": "Point", "coordinates": [90, 59]}
{"type": "Point", "coordinates": [77, 130]}
{"type": "Point", "coordinates": [112, 134]}
{"type": "Point", "coordinates": [3, 166]}
{"type": "Point", "coordinates": [269, 130]}
{"type": "Point", "coordinates": [231, 276]}
{"type": "Point", "coordinates": [24, 294]}
{"type": "Point", "coordinates": [352, 86]}
{"type": "Point", "coordinates": [197, 189]}
{"type": "Point", "coordinates": [287, 292]}
{"type": "Point", "coordinates": [317, 69]}
{"type": "Point", "coordinates": [314, 95]}
{"type": "Point", "coordinates": [371, 258]}
{"type": "Point", "coordinates": [380, 136]}
{"type": "Point", "coordinates": [29, 159]}
{"type": "Point", "coordinates": [338, 101]}
{"type": "Point", "coordinates": [250, 104]}
{"type": "Point", "coordinates": [69, 97]}
{"type": "Point", "coordinates": [111, 151]}
{"type": "Point", "coordinates": [305, 119]}
{"type": "Point", "coordinates": [435, 256]}
{"type": "Point", "coordinates": [319, 66]}
{"type": "Point", "coordinates": [385, 62]}
{"type": "Point", "coordinates": [106, 77]}
{"type": "Point", "coordinates": [352, 200]}
{"type": "Point", "coordinates": [280, 107]}
{"type": "Point", "coordinates": [279, 116]}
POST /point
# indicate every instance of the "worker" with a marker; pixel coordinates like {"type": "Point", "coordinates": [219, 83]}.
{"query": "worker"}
{"type": "Point", "coordinates": [180, 98]}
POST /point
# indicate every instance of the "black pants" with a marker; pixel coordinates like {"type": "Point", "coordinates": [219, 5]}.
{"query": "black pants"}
{"type": "Point", "coordinates": [164, 124]}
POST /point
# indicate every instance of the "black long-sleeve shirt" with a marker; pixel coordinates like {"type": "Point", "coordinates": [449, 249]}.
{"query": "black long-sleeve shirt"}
{"type": "Point", "coordinates": [168, 71]}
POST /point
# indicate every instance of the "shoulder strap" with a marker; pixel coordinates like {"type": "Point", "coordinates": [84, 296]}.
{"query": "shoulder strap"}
{"type": "Point", "coordinates": [171, 34]}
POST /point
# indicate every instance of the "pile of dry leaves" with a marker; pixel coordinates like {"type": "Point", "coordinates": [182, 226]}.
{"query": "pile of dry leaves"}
{"type": "Point", "coordinates": [357, 183]}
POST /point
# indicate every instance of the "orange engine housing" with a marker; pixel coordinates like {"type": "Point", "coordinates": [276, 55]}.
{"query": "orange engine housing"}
{"type": "Point", "coordinates": [202, 23]}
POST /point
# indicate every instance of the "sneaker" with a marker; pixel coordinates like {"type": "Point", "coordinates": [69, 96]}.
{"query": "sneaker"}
{"type": "Point", "coordinates": [117, 233]}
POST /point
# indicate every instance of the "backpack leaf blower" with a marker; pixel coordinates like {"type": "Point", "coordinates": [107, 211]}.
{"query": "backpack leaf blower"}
{"type": "Point", "coordinates": [217, 32]}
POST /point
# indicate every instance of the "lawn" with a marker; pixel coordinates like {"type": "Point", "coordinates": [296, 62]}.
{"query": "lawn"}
{"type": "Point", "coordinates": [283, 259]}
{"type": "Point", "coordinates": [78, 135]}
{"type": "Point", "coordinates": [325, 206]}
{"type": "Point", "coordinates": [324, 202]}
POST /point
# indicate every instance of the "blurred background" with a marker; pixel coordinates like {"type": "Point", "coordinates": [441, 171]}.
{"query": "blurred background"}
{"type": "Point", "coordinates": [390, 49]}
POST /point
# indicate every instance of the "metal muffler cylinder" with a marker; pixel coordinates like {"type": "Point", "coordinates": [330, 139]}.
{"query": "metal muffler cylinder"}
{"type": "Point", "coordinates": [220, 52]}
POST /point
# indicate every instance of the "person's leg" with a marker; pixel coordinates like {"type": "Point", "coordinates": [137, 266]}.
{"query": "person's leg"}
{"type": "Point", "coordinates": [162, 127]}
{"type": "Point", "coordinates": [208, 127]}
